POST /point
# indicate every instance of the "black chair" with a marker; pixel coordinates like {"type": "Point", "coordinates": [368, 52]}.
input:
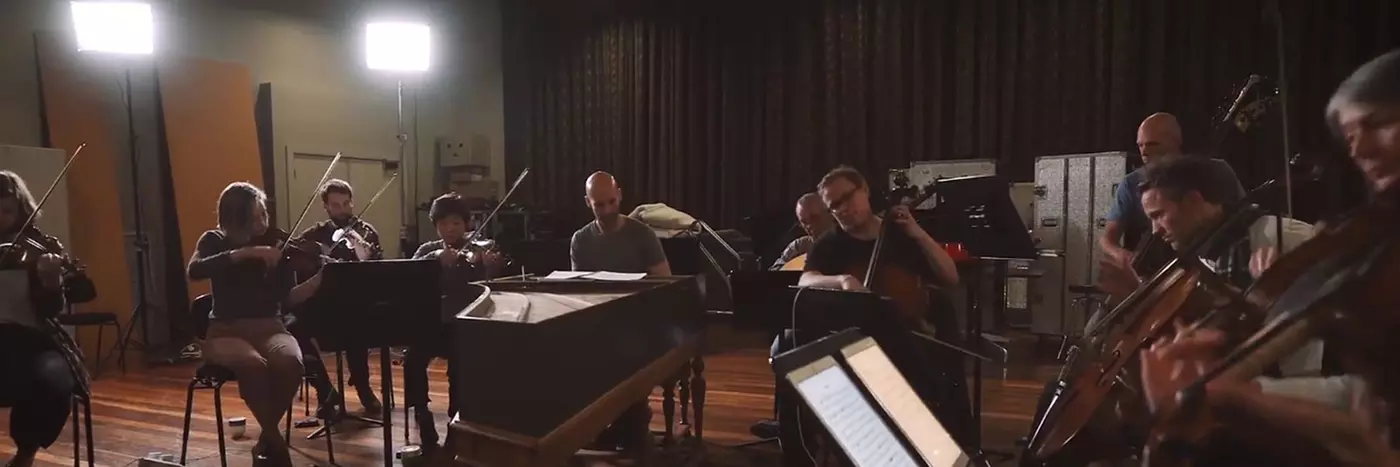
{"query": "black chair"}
{"type": "Point", "coordinates": [101, 319]}
{"type": "Point", "coordinates": [213, 376]}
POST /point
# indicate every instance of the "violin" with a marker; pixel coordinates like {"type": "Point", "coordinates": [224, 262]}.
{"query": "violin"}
{"type": "Point", "coordinates": [24, 251]}
{"type": "Point", "coordinates": [302, 255]}
{"type": "Point", "coordinates": [1340, 284]}
{"type": "Point", "coordinates": [474, 249]}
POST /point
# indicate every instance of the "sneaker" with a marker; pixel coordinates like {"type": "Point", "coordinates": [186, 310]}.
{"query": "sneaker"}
{"type": "Point", "coordinates": [766, 429]}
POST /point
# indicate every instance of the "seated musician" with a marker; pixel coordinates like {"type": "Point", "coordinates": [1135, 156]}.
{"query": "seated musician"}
{"type": "Point", "coordinates": [41, 364]}
{"type": "Point", "coordinates": [1158, 137]}
{"type": "Point", "coordinates": [449, 214]}
{"type": "Point", "coordinates": [1365, 113]}
{"type": "Point", "coordinates": [815, 221]}
{"type": "Point", "coordinates": [617, 243]}
{"type": "Point", "coordinates": [252, 286]}
{"type": "Point", "coordinates": [831, 264]}
{"type": "Point", "coordinates": [360, 243]}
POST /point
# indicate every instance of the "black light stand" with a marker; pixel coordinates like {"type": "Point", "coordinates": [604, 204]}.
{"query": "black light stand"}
{"type": "Point", "coordinates": [139, 242]}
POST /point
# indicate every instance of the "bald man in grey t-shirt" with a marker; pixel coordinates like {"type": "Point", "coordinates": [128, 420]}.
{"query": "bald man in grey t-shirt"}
{"type": "Point", "coordinates": [614, 242]}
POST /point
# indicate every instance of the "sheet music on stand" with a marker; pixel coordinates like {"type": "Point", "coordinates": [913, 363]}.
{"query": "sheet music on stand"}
{"type": "Point", "coordinates": [866, 405]}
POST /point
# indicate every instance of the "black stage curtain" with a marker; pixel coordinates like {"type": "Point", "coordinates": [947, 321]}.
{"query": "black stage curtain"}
{"type": "Point", "coordinates": [727, 109]}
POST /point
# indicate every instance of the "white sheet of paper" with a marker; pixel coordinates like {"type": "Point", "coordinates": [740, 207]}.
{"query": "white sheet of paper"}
{"type": "Point", "coordinates": [852, 421]}
{"type": "Point", "coordinates": [564, 275]}
{"type": "Point", "coordinates": [616, 276]}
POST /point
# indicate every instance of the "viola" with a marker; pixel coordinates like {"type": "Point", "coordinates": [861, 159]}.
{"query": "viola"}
{"type": "Point", "coordinates": [1340, 284]}
{"type": "Point", "coordinates": [303, 255]}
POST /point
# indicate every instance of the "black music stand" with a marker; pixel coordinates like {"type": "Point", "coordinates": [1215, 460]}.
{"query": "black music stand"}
{"type": "Point", "coordinates": [763, 299]}
{"type": "Point", "coordinates": [978, 213]}
{"type": "Point", "coordinates": [376, 304]}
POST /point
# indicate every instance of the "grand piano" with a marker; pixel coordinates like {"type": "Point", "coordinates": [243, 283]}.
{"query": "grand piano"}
{"type": "Point", "coordinates": [543, 366]}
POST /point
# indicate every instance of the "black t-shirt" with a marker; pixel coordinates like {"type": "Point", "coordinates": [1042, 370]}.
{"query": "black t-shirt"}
{"type": "Point", "coordinates": [837, 252]}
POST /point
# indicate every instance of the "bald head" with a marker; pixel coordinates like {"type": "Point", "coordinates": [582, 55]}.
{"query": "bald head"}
{"type": "Point", "coordinates": [604, 197]}
{"type": "Point", "coordinates": [1158, 135]}
{"type": "Point", "coordinates": [813, 215]}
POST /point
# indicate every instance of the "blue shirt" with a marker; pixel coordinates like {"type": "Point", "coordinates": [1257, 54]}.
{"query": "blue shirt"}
{"type": "Point", "coordinates": [1127, 201]}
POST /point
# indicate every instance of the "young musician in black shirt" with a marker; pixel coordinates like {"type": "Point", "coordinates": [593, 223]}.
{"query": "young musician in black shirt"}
{"type": "Point", "coordinates": [449, 214]}
{"type": "Point", "coordinates": [41, 365]}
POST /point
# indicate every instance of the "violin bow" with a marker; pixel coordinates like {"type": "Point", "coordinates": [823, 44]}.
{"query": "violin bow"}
{"type": "Point", "coordinates": [314, 194]}
{"type": "Point", "coordinates": [477, 232]}
{"type": "Point", "coordinates": [61, 173]}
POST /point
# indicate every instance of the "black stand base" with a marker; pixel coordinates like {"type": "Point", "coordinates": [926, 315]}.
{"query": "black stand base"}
{"type": "Point", "coordinates": [757, 442]}
{"type": "Point", "coordinates": [325, 430]}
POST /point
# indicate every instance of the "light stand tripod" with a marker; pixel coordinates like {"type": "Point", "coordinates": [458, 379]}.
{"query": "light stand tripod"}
{"type": "Point", "coordinates": [139, 242]}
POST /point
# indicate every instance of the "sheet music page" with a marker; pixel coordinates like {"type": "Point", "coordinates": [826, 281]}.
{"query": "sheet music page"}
{"type": "Point", "coordinates": [910, 415]}
{"type": "Point", "coordinates": [616, 276]}
{"type": "Point", "coordinates": [564, 275]}
{"type": "Point", "coordinates": [852, 421]}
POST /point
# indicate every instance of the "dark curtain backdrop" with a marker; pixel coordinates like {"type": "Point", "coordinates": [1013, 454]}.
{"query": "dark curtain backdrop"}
{"type": "Point", "coordinates": [727, 109]}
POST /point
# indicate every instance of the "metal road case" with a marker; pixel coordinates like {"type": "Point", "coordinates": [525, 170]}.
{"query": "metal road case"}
{"type": "Point", "coordinates": [923, 173]}
{"type": "Point", "coordinates": [1073, 196]}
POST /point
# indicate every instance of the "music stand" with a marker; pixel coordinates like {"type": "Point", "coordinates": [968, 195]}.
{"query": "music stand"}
{"type": "Point", "coordinates": [846, 374]}
{"type": "Point", "coordinates": [977, 212]}
{"type": "Point", "coordinates": [376, 304]}
{"type": "Point", "coordinates": [762, 299]}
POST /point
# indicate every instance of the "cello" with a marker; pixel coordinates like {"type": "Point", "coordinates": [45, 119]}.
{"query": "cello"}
{"type": "Point", "coordinates": [1338, 284]}
{"type": "Point", "coordinates": [903, 287]}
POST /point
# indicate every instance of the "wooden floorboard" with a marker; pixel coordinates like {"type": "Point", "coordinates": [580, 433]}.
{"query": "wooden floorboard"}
{"type": "Point", "coordinates": [142, 412]}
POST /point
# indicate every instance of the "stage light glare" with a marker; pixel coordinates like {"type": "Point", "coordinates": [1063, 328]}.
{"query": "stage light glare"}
{"type": "Point", "coordinates": [397, 46]}
{"type": "Point", "coordinates": [115, 27]}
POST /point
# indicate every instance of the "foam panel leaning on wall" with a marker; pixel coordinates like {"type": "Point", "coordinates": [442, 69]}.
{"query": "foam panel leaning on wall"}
{"type": "Point", "coordinates": [1073, 194]}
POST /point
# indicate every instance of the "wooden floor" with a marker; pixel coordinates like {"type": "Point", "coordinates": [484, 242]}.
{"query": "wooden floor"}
{"type": "Point", "coordinates": [142, 412]}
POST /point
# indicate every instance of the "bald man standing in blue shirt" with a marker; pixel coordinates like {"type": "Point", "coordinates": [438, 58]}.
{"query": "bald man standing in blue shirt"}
{"type": "Point", "coordinates": [1158, 136]}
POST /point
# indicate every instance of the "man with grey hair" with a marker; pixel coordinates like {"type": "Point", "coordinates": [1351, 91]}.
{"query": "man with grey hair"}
{"type": "Point", "coordinates": [815, 219]}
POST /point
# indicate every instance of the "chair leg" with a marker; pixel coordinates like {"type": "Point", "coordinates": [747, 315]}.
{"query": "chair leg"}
{"type": "Point", "coordinates": [97, 372]}
{"type": "Point", "coordinates": [189, 407]}
{"type": "Point", "coordinates": [219, 420]}
{"type": "Point", "coordinates": [87, 426]}
{"type": "Point", "coordinates": [289, 424]}
{"type": "Point", "coordinates": [76, 456]}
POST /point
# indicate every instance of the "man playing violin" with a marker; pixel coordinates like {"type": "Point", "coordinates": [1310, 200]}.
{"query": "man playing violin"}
{"type": "Point", "coordinates": [1365, 113]}
{"type": "Point", "coordinates": [833, 263]}
{"type": "Point", "coordinates": [461, 264]}
{"type": "Point", "coordinates": [252, 286]}
{"type": "Point", "coordinates": [342, 237]}
{"type": "Point", "coordinates": [41, 364]}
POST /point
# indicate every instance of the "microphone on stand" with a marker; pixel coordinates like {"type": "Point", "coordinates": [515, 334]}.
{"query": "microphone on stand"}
{"type": "Point", "coordinates": [1239, 100]}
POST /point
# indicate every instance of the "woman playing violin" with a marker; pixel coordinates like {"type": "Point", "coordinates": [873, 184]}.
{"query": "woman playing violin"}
{"type": "Point", "coordinates": [252, 285]}
{"type": "Point", "coordinates": [1365, 113]}
{"type": "Point", "coordinates": [42, 367]}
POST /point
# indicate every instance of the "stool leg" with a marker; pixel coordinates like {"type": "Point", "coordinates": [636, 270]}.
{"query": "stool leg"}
{"type": "Point", "coordinates": [289, 424]}
{"type": "Point", "coordinates": [219, 420]}
{"type": "Point", "coordinates": [189, 406]}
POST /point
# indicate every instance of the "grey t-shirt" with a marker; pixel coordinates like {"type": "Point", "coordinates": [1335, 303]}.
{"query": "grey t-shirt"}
{"type": "Point", "coordinates": [632, 248]}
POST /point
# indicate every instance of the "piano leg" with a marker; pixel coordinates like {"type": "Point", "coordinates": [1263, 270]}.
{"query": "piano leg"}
{"type": "Point", "coordinates": [668, 410]}
{"type": "Point", "coordinates": [684, 380]}
{"type": "Point", "coordinates": [386, 380]}
{"type": "Point", "coordinates": [697, 384]}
